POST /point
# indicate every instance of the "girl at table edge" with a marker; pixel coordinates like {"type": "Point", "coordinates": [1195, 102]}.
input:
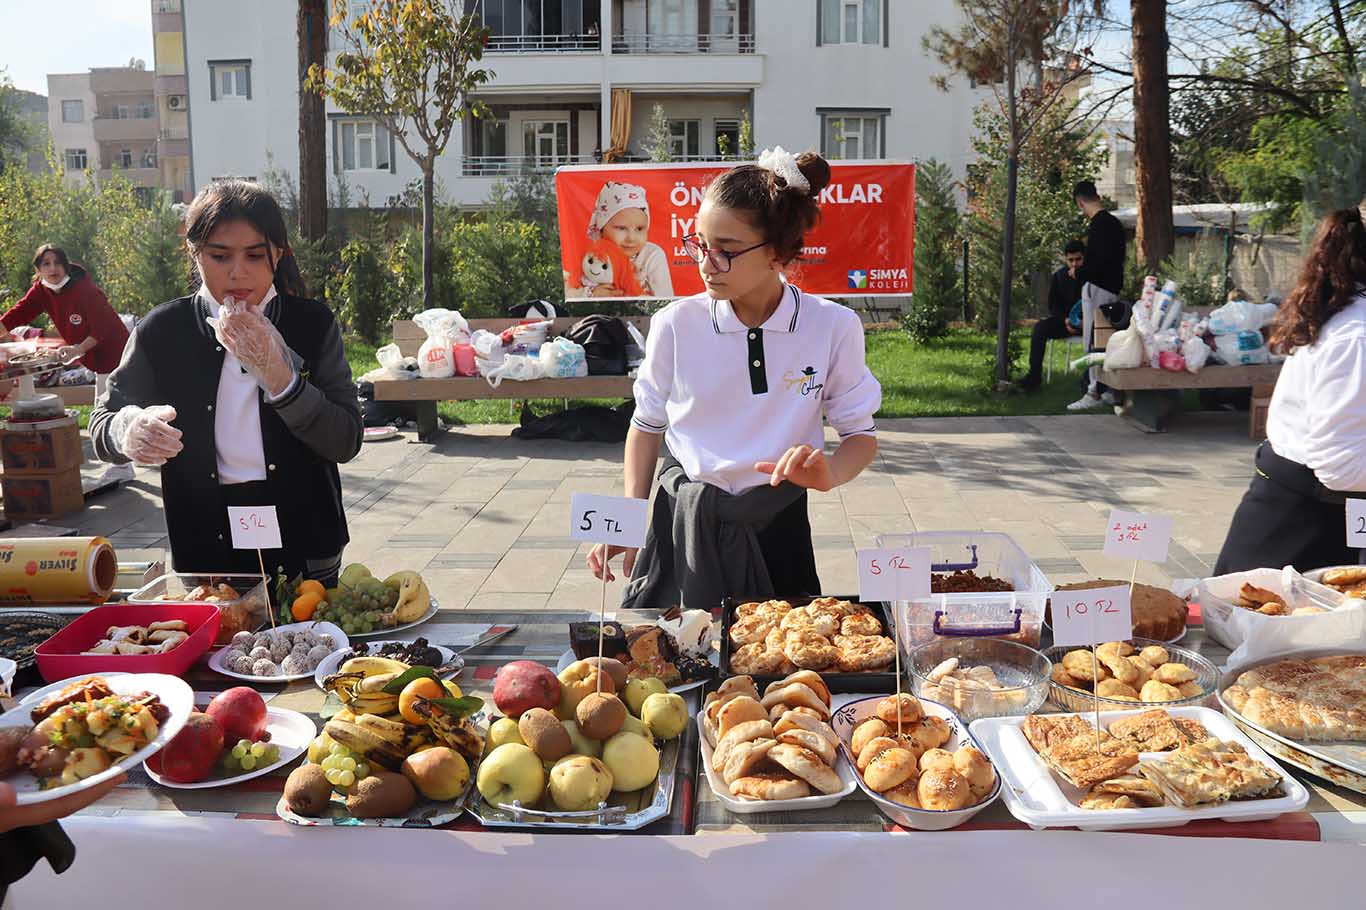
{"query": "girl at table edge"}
{"type": "Point", "coordinates": [1314, 455]}
{"type": "Point", "coordinates": [751, 229]}
{"type": "Point", "coordinates": [241, 403]}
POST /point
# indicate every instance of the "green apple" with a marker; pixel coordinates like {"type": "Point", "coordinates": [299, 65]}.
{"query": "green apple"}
{"type": "Point", "coordinates": [353, 575]}
{"type": "Point", "coordinates": [635, 725]}
{"type": "Point", "coordinates": [637, 690]}
{"type": "Point", "coordinates": [632, 759]}
{"type": "Point", "coordinates": [502, 730]}
{"type": "Point", "coordinates": [581, 745]}
{"type": "Point", "coordinates": [665, 713]}
{"type": "Point", "coordinates": [579, 782]}
{"type": "Point", "coordinates": [511, 773]}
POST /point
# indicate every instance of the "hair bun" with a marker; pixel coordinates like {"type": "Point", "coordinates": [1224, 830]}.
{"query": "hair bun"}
{"type": "Point", "coordinates": [816, 170]}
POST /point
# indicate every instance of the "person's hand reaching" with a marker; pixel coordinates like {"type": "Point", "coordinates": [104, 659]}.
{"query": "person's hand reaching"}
{"type": "Point", "coordinates": [802, 465]}
{"type": "Point", "coordinates": [15, 816]}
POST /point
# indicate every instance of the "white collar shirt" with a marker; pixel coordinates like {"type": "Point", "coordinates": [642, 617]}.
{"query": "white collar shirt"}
{"type": "Point", "coordinates": [1318, 411]}
{"type": "Point", "coordinates": [727, 396]}
{"type": "Point", "coordinates": [237, 415]}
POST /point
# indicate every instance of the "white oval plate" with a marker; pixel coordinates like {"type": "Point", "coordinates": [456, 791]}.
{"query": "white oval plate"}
{"type": "Point", "coordinates": [174, 693]}
{"type": "Point", "coordinates": [338, 636]}
{"type": "Point", "coordinates": [384, 633]}
{"type": "Point", "coordinates": [38, 695]}
{"type": "Point", "coordinates": [374, 434]}
{"type": "Point", "coordinates": [289, 730]}
{"type": "Point", "coordinates": [333, 661]}
{"type": "Point", "coordinates": [568, 658]}
{"type": "Point", "coordinates": [754, 806]}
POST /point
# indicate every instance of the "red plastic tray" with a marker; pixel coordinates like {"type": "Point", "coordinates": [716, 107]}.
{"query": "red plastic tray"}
{"type": "Point", "coordinates": [60, 656]}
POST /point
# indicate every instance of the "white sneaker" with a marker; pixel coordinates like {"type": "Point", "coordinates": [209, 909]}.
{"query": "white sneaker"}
{"type": "Point", "coordinates": [1086, 403]}
{"type": "Point", "coordinates": [1109, 398]}
{"type": "Point", "coordinates": [118, 473]}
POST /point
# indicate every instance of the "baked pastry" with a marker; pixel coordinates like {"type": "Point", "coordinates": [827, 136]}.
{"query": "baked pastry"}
{"type": "Point", "coordinates": [809, 678]}
{"type": "Point", "coordinates": [1068, 745]}
{"type": "Point", "coordinates": [746, 732]}
{"type": "Point", "coordinates": [905, 795]}
{"type": "Point", "coordinates": [1318, 700]}
{"type": "Point", "coordinates": [1141, 791]}
{"type": "Point", "coordinates": [737, 711]}
{"type": "Point", "coordinates": [866, 732]}
{"type": "Point", "coordinates": [803, 619]}
{"type": "Point", "coordinates": [1120, 674]}
{"type": "Point", "coordinates": [743, 758]}
{"type": "Point", "coordinates": [974, 767]}
{"type": "Point", "coordinates": [1113, 688]}
{"type": "Point", "coordinates": [943, 790]}
{"type": "Point", "coordinates": [859, 653]}
{"type": "Point", "coordinates": [808, 766]}
{"type": "Point", "coordinates": [1345, 577]}
{"type": "Point", "coordinates": [751, 629]}
{"type": "Point", "coordinates": [796, 720]}
{"type": "Point", "coordinates": [796, 695]}
{"type": "Point", "coordinates": [890, 768]}
{"type": "Point", "coordinates": [1158, 731]}
{"type": "Point", "coordinates": [769, 785]}
{"type": "Point", "coordinates": [812, 741]}
{"type": "Point", "coordinates": [810, 651]}
{"type": "Point", "coordinates": [873, 748]}
{"type": "Point", "coordinates": [910, 710]}
{"type": "Point", "coordinates": [936, 758]}
{"type": "Point", "coordinates": [756, 659]}
{"type": "Point", "coordinates": [1157, 612]}
{"type": "Point", "coordinates": [1094, 800]}
{"type": "Point", "coordinates": [861, 624]}
{"type": "Point", "coordinates": [1210, 772]}
{"type": "Point", "coordinates": [928, 733]}
{"type": "Point", "coordinates": [1155, 690]}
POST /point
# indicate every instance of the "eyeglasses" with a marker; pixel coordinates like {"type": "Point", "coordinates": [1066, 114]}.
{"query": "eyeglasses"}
{"type": "Point", "coordinates": [720, 259]}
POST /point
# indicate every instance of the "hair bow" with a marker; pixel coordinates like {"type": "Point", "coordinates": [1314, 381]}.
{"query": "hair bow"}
{"type": "Point", "coordinates": [784, 164]}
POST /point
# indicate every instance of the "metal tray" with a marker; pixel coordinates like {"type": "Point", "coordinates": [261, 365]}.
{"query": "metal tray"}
{"type": "Point", "coordinates": [1343, 764]}
{"type": "Point", "coordinates": [867, 681]}
{"type": "Point", "coordinates": [1082, 701]}
{"type": "Point", "coordinates": [16, 623]}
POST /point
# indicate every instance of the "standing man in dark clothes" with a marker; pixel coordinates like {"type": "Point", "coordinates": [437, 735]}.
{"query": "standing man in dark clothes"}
{"type": "Point", "coordinates": [1064, 290]}
{"type": "Point", "coordinates": [1102, 276]}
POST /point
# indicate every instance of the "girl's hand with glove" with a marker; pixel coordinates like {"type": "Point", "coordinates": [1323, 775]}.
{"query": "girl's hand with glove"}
{"type": "Point", "coordinates": [256, 344]}
{"type": "Point", "coordinates": [145, 435]}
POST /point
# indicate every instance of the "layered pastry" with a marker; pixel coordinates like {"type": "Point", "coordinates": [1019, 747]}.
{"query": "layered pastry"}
{"type": "Point", "coordinates": [1210, 772]}
{"type": "Point", "coordinates": [1074, 749]}
{"type": "Point", "coordinates": [1318, 700]}
{"type": "Point", "coordinates": [1158, 731]}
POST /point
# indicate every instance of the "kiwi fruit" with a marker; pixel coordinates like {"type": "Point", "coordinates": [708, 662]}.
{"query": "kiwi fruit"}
{"type": "Point", "coordinates": [613, 667]}
{"type": "Point", "coordinates": [383, 794]}
{"type": "Point", "coordinates": [600, 715]}
{"type": "Point", "coordinates": [542, 731]}
{"type": "Point", "coordinates": [307, 791]}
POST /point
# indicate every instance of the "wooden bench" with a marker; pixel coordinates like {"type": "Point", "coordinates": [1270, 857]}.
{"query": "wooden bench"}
{"type": "Point", "coordinates": [1156, 394]}
{"type": "Point", "coordinates": [425, 393]}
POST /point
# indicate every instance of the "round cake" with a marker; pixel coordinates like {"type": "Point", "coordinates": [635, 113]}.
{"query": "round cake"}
{"type": "Point", "coordinates": [1158, 613]}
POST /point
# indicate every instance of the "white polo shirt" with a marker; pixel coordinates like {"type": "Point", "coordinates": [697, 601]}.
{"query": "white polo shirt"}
{"type": "Point", "coordinates": [727, 396]}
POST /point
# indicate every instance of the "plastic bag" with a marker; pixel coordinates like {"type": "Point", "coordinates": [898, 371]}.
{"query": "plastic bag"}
{"type": "Point", "coordinates": [520, 367]}
{"type": "Point", "coordinates": [1171, 361]}
{"type": "Point", "coordinates": [465, 360]}
{"type": "Point", "coordinates": [389, 357]}
{"type": "Point", "coordinates": [1245, 347]}
{"type": "Point", "coordinates": [1124, 351]}
{"type": "Point", "coordinates": [1240, 316]}
{"type": "Point", "coordinates": [1196, 353]}
{"type": "Point", "coordinates": [444, 328]}
{"type": "Point", "coordinates": [563, 358]}
{"type": "Point", "coordinates": [1253, 637]}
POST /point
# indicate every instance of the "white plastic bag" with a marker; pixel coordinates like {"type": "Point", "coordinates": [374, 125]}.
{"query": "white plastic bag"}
{"type": "Point", "coordinates": [1196, 353]}
{"type": "Point", "coordinates": [1246, 347]}
{"type": "Point", "coordinates": [488, 351]}
{"type": "Point", "coordinates": [444, 328]}
{"type": "Point", "coordinates": [1124, 351]}
{"type": "Point", "coordinates": [1240, 316]}
{"type": "Point", "coordinates": [563, 358]}
{"type": "Point", "coordinates": [520, 367]}
{"type": "Point", "coordinates": [1253, 637]}
{"type": "Point", "coordinates": [389, 357]}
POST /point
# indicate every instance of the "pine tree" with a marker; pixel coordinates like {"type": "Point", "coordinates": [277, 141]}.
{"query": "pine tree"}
{"type": "Point", "coordinates": [660, 146]}
{"type": "Point", "coordinates": [937, 225]}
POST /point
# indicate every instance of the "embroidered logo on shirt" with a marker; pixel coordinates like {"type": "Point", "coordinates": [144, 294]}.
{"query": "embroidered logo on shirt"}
{"type": "Point", "coordinates": [76, 319]}
{"type": "Point", "coordinates": [804, 383]}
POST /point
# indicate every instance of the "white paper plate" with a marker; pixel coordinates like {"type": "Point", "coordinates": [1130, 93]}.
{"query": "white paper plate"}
{"type": "Point", "coordinates": [333, 661]}
{"type": "Point", "coordinates": [338, 637]}
{"type": "Point", "coordinates": [754, 806]}
{"type": "Point", "coordinates": [374, 434]}
{"type": "Point", "coordinates": [387, 633]}
{"type": "Point", "coordinates": [38, 695]}
{"type": "Point", "coordinates": [568, 658]}
{"type": "Point", "coordinates": [289, 730]}
{"type": "Point", "coordinates": [174, 693]}
{"type": "Point", "coordinates": [1040, 799]}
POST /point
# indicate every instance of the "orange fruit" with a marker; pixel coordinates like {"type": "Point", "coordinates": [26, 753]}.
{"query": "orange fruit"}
{"type": "Point", "coordinates": [312, 587]}
{"type": "Point", "coordinates": [304, 606]}
{"type": "Point", "coordinates": [452, 689]}
{"type": "Point", "coordinates": [422, 687]}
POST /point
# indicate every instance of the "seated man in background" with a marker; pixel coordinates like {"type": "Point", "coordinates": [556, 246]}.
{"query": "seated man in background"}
{"type": "Point", "coordinates": [1064, 292]}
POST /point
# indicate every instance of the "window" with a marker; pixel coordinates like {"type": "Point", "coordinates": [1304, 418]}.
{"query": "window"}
{"type": "Point", "coordinates": [684, 139]}
{"type": "Point", "coordinates": [149, 158]}
{"type": "Point", "coordinates": [546, 142]}
{"type": "Point", "coordinates": [852, 135]}
{"type": "Point", "coordinates": [121, 112]}
{"type": "Point", "coordinates": [75, 159]}
{"type": "Point", "coordinates": [73, 111]}
{"type": "Point", "coordinates": [126, 158]}
{"type": "Point", "coordinates": [727, 138]}
{"type": "Point", "coordinates": [143, 110]}
{"type": "Point", "coordinates": [364, 146]}
{"type": "Point", "coordinates": [850, 21]}
{"type": "Point", "coordinates": [230, 79]}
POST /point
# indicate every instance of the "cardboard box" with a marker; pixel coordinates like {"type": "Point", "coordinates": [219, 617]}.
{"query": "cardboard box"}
{"type": "Point", "coordinates": [42, 448]}
{"type": "Point", "coordinates": [42, 495]}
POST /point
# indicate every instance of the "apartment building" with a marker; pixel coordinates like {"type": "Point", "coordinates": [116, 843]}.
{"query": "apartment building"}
{"type": "Point", "coordinates": [172, 99]}
{"type": "Point", "coordinates": [578, 81]}
{"type": "Point", "coordinates": [105, 121]}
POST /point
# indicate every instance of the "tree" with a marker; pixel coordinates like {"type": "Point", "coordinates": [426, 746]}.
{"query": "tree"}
{"type": "Point", "coordinates": [660, 144]}
{"type": "Point", "coordinates": [16, 133]}
{"type": "Point", "coordinates": [410, 64]}
{"type": "Point", "coordinates": [1337, 177]}
{"type": "Point", "coordinates": [1156, 233]}
{"type": "Point", "coordinates": [937, 225]}
{"type": "Point", "coordinates": [995, 42]}
{"type": "Point", "coordinates": [312, 39]}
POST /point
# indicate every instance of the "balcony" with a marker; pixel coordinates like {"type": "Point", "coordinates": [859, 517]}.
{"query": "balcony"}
{"type": "Point", "coordinates": [172, 83]}
{"type": "Point", "coordinates": [125, 129]}
{"type": "Point", "coordinates": [544, 44]}
{"type": "Point", "coordinates": [174, 148]}
{"type": "Point", "coordinates": [138, 176]}
{"type": "Point", "coordinates": [682, 44]}
{"type": "Point", "coordinates": [509, 165]}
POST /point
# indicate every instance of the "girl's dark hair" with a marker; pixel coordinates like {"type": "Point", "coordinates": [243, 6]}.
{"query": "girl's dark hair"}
{"type": "Point", "coordinates": [783, 214]}
{"type": "Point", "coordinates": [233, 199]}
{"type": "Point", "coordinates": [1333, 274]}
{"type": "Point", "coordinates": [46, 248]}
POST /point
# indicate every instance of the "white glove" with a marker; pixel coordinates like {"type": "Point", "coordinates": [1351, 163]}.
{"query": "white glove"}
{"type": "Point", "coordinates": [256, 344]}
{"type": "Point", "coordinates": [145, 435]}
{"type": "Point", "coordinates": [69, 353]}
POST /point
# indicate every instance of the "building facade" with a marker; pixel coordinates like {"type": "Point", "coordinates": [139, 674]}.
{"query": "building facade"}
{"type": "Point", "coordinates": [105, 121]}
{"type": "Point", "coordinates": [846, 77]}
{"type": "Point", "coordinates": [172, 99]}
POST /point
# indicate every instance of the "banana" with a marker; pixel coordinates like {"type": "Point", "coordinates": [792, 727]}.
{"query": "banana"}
{"type": "Point", "coordinates": [461, 735]}
{"type": "Point", "coordinates": [363, 694]}
{"type": "Point", "coordinates": [374, 703]}
{"type": "Point", "coordinates": [373, 666]}
{"type": "Point", "coordinates": [364, 741]}
{"type": "Point", "coordinates": [413, 597]}
{"type": "Point", "coordinates": [371, 685]}
{"type": "Point", "coordinates": [408, 737]}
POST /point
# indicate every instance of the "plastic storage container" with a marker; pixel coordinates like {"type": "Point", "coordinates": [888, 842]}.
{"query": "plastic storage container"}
{"type": "Point", "coordinates": [60, 656]}
{"type": "Point", "coordinates": [1013, 615]}
{"type": "Point", "coordinates": [245, 614]}
{"type": "Point", "coordinates": [1228, 623]}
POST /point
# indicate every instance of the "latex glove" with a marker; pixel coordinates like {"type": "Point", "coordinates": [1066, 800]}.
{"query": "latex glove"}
{"type": "Point", "coordinates": [256, 344]}
{"type": "Point", "coordinates": [145, 435]}
{"type": "Point", "coordinates": [69, 353]}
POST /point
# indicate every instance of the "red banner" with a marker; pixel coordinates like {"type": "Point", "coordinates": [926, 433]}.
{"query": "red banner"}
{"type": "Point", "coordinates": [622, 230]}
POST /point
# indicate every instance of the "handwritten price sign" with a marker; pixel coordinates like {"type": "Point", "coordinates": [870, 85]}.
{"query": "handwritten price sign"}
{"type": "Point", "coordinates": [1134, 535]}
{"type": "Point", "coordinates": [254, 528]}
{"type": "Point", "coordinates": [615, 520]}
{"type": "Point", "coordinates": [1091, 617]}
{"type": "Point", "coordinates": [1356, 523]}
{"type": "Point", "coordinates": [900, 574]}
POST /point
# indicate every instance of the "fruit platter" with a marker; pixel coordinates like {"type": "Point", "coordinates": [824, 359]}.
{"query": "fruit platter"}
{"type": "Point", "coordinates": [360, 605]}
{"type": "Point", "coordinates": [235, 738]}
{"type": "Point", "coordinates": [400, 654]}
{"type": "Point", "coordinates": [398, 754]}
{"type": "Point", "coordinates": [588, 749]}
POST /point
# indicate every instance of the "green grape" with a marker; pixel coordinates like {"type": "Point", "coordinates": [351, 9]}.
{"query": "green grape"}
{"type": "Point", "coordinates": [362, 770]}
{"type": "Point", "coordinates": [230, 763]}
{"type": "Point", "coordinates": [348, 764]}
{"type": "Point", "coordinates": [332, 776]}
{"type": "Point", "coordinates": [346, 778]}
{"type": "Point", "coordinates": [366, 627]}
{"type": "Point", "coordinates": [238, 751]}
{"type": "Point", "coordinates": [272, 754]}
{"type": "Point", "coordinates": [329, 763]}
{"type": "Point", "coordinates": [248, 762]}
{"type": "Point", "coordinates": [338, 749]}
{"type": "Point", "coordinates": [258, 749]}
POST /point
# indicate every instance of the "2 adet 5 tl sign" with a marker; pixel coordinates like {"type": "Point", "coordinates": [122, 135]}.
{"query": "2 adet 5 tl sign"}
{"type": "Point", "coordinates": [622, 230]}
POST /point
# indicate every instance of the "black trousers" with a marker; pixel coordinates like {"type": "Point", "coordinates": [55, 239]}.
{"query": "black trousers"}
{"type": "Point", "coordinates": [1045, 330]}
{"type": "Point", "coordinates": [1286, 518]}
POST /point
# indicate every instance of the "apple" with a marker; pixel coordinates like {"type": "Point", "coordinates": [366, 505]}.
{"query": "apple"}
{"type": "Point", "coordinates": [632, 759]}
{"type": "Point", "coordinates": [241, 712]}
{"type": "Point", "coordinates": [633, 724]}
{"type": "Point", "coordinates": [579, 782]}
{"type": "Point", "coordinates": [440, 774]}
{"type": "Point", "coordinates": [580, 744]}
{"type": "Point", "coordinates": [502, 730]}
{"type": "Point", "coordinates": [665, 713]}
{"type": "Point", "coordinates": [637, 690]}
{"type": "Point", "coordinates": [577, 682]}
{"type": "Point", "coordinates": [511, 773]}
{"type": "Point", "coordinates": [523, 685]}
{"type": "Point", "coordinates": [191, 754]}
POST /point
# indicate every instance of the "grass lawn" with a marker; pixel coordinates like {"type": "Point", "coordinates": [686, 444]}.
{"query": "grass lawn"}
{"type": "Point", "coordinates": [943, 379]}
